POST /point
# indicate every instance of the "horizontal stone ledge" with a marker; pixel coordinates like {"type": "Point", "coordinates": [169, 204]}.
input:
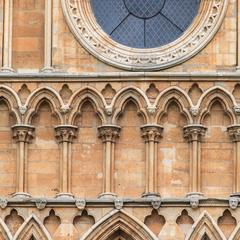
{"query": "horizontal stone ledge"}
{"type": "Point", "coordinates": [133, 76]}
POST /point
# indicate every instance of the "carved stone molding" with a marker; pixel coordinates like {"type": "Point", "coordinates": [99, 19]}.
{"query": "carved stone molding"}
{"type": "Point", "coordinates": [66, 133]}
{"type": "Point", "coordinates": [152, 133]}
{"type": "Point", "coordinates": [194, 132]}
{"type": "Point", "coordinates": [23, 133]}
{"type": "Point", "coordinates": [234, 132]}
{"type": "Point", "coordinates": [82, 22]}
{"type": "Point", "coordinates": [109, 133]}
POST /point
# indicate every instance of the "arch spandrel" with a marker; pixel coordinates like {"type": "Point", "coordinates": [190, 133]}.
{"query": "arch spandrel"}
{"type": "Point", "coordinates": [119, 221]}
{"type": "Point", "coordinates": [5, 233]}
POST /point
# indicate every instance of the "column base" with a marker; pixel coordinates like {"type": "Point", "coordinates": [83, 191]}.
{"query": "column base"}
{"type": "Point", "coordinates": [150, 195]}
{"type": "Point", "coordinates": [195, 194]}
{"type": "Point", "coordinates": [7, 70]}
{"type": "Point", "coordinates": [47, 70]}
{"type": "Point", "coordinates": [107, 195]}
{"type": "Point", "coordinates": [65, 195]}
{"type": "Point", "coordinates": [21, 195]}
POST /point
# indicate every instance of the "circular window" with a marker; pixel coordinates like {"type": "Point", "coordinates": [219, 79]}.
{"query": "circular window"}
{"type": "Point", "coordinates": [144, 35]}
{"type": "Point", "coordinates": [145, 23]}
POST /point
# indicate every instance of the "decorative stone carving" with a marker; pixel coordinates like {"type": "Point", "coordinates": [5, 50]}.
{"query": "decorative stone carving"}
{"type": "Point", "coordinates": [194, 202]}
{"type": "Point", "coordinates": [109, 133]}
{"type": "Point", "coordinates": [118, 203]}
{"type": "Point", "coordinates": [66, 133]}
{"type": "Point", "coordinates": [234, 133]}
{"type": "Point", "coordinates": [80, 203]}
{"type": "Point", "coordinates": [23, 133]}
{"type": "Point", "coordinates": [156, 202]}
{"type": "Point", "coordinates": [152, 133]}
{"type": "Point", "coordinates": [41, 203]}
{"type": "Point", "coordinates": [233, 202]}
{"type": "Point", "coordinates": [22, 109]}
{"type": "Point", "coordinates": [3, 202]}
{"type": "Point", "coordinates": [194, 111]}
{"type": "Point", "coordinates": [152, 109]}
{"type": "Point", "coordinates": [108, 110]}
{"type": "Point", "coordinates": [194, 132]}
{"type": "Point", "coordinates": [86, 30]}
{"type": "Point", "coordinates": [65, 109]}
{"type": "Point", "coordinates": [237, 109]}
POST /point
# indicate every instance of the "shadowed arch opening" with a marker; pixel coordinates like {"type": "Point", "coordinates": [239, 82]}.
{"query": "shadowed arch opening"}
{"type": "Point", "coordinates": [129, 156]}
{"type": "Point", "coordinates": [87, 166]}
{"type": "Point", "coordinates": [119, 225]}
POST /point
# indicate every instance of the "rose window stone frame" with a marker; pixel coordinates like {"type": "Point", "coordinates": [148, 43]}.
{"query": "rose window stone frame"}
{"type": "Point", "coordinates": [81, 20]}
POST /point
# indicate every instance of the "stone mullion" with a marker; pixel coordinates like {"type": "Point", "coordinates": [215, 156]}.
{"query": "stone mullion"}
{"type": "Point", "coordinates": [108, 134]}
{"type": "Point", "coordinates": [194, 134]}
{"type": "Point", "coordinates": [151, 135]}
{"type": "Point", "coordinates": [23, 135]}
{"type": "Point", "coordinates": [234, 133]}
{"type": "Point", "coordinates": [48, 37]}
{"type": "Point", "coordinates": [65, 134]}
{"type": "Point", "coordinates": [7, 37]}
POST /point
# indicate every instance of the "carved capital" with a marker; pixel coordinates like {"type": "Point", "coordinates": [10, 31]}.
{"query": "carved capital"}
{"type": "Point", "coordinates": [109, 133]}
{"type": "Point", "coordinates": [152, 133]}
{"type": "Point", "coordinates": [234, 132]}
{"type": "Point", "coordinates": [23, 133]}
{"type": "Point", "coordinates": [66, 133]}
{"type": "Point", "coordinates": [194, 132]}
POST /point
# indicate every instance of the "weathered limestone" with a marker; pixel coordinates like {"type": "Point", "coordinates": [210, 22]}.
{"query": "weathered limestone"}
{"type": "Point", "coordinates": [23, 135]}
{"type": "Point", "coordinates": [151, 135]}
{"type": "Point", "coordinates": [65, 134]}
{"type": "Point", "coordinates": [108, 134]}
{"type": "Point", "coordinates": [194, 134]}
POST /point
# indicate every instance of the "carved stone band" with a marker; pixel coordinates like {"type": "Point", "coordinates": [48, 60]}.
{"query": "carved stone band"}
{"type": "Point", "coordinates": [109, 133]}
{"type": "Point", "coordinates": [234, 132]}
{"type": "Point", "coordinates": [152, 133]}
{"type": "Point", "coordinates": [66, 133]}
{"type": "Point", "coordinates": [23, 133]}
{"type": "Point", "coordinates": [82, 22]}
{"type": "Point", "coordinates": [194, 132]}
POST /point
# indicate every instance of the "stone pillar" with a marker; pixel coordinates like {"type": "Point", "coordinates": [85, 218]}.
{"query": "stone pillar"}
{"type": "Point", "coordinates": [7, 37]}
{"type": "Point", "coordinates": [65, 134]}
{"type": "Point", "coordinates": [151, 134]}
{"type": "Point", "coordinates": [194, 133]}
{"type": "Point", "coordinates": [48, 37]}
{"type": "Point", "coordinates": [108, 134]}
{"type": "Point", "coordinates": [22, 134]}
{"type": "Point", "coordinates": [234, 133]}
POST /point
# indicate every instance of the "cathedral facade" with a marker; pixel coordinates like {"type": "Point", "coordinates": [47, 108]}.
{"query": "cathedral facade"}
{"type": "Point", "coordinates": [119, 120]}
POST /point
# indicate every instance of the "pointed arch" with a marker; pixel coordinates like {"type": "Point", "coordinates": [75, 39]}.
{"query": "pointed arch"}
{"type": "Point", "coordinates": [177, 95]}
{"type": "Point", "coordinates": [12, 100]}
{"type": "Point", "coordinates": [205, 226]}
{"type": "Point", "coordinates": [236, 233]}
{"type": "Point", "coordinates": [87, 94]}
{"type": "Point", "coordinates": [119, 220]}
{"type": "Point", "coordinates": [220, 94]}
{"type": "Point", "coordinates": [4, 231]}
{"type": "Point", "coordinates": [35, 99]}
{"type": "Point", "coordinates": [32, 227]}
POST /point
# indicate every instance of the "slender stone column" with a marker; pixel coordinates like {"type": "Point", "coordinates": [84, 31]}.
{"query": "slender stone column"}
{"type": "Point", "coordinates": [108, 134]}
{"type": "Point", "coordinates": [48, 37]}
{"type": "Point", "coordinates": [194, 134]}
{"type": "Point", "coordinates": [152, 135]}
{"type": "Point", "coordinates": [7, 37]}
{"type": "Point", "coordinates": [234, 133]}
{"type": "Point", "coordinates": [65, 134]}
{"type": "Point", "coordinates": [22, 134]}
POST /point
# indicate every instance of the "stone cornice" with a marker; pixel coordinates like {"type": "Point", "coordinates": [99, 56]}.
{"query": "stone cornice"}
{"type": "Point", "coordinates": [109, 133]}
{"type": "Point", "coordinates": [123, 76]}
{"type": "Point", "coordinates": [23, 133]}
{"type": "Point", "coordinates": [194, 132]}
{"type": "Point", "coordinates": [66, 133]}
